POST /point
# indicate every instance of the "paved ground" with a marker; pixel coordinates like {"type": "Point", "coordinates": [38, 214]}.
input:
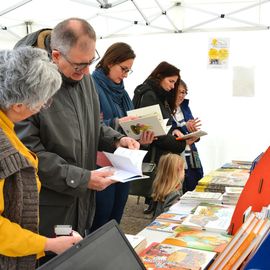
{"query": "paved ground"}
{"type": "Point", "coordinates": [133, 219]}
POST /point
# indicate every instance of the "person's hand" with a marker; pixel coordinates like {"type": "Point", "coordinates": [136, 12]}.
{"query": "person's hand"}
{"type": "Point", "coordinates": [147, 137]}
{"type": "Point", "coordinates": [127, 118]}
{"type": "Point", "coordinates": [61, 243]}
{"type": "Point", "coordinates": [177, 133]}
{"type": "Point", "coordinates": [193, 124]}
{"type": "Point", "coordinates": [191, 140]}
{"type": "Point", "coordinates": [100, 180]}
{"type": "Point", "coordinates": [128, 143]}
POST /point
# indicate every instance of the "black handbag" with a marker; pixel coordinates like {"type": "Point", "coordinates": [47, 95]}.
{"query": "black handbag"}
{"type": "Point", "coordinates": [143, 187]}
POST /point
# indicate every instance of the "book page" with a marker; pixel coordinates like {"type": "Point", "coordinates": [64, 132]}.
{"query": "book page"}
{"type": "Point", "coordinates": [135, 156]}
{"type": "Point", "coordinates": [122, 175]}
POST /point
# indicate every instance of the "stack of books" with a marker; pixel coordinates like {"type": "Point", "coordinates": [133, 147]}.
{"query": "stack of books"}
{"type": "Point", "coordinates": [217, 180]}
{"type": "Point", "coordinates": [237, 164]}
{"type": "Point", "coordinates": [231, 195]}
{"type": "Point", "coordinates": [191, 197]}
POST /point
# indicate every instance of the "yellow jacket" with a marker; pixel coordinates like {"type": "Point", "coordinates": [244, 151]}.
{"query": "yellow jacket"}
{"type": "Point", "coordinates": [16, 241]}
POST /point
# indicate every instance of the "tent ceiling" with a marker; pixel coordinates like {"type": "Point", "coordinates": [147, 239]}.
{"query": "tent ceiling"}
{"type": "Point", "coordinates": [128, 17]}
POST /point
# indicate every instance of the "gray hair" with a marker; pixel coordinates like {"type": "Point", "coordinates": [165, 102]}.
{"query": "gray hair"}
{"type": "Point", "coordinates": [27, 76]}
{"type": "Point", "coordinates": [66, 34]}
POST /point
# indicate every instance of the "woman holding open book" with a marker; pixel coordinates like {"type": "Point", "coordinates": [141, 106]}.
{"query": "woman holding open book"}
{"type": "Point", "coordinates": [185, 123]}
{"type": "Point", "coordinates": [108, 76]}
{"type": "Point", "coordinates": [160, 88]}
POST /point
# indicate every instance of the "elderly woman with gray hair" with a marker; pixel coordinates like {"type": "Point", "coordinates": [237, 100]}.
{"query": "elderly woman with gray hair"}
{"type": "Point", "coordinates": [28, 80]}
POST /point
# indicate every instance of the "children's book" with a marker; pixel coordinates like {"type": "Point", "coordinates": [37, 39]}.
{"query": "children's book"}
{"type": "Point", "coordinates": [126, 164]}
{"type": "Point", "coordinates": [259, 257]}
{"type": "Point", "coordinates": [162, 226]}
{"type": "Point", "coordinates": [212, 217]}
{"type": "Point", "coordinates": [149, 119]}
{"type": "Point", "coordinates": [199, 239]}
{"type": "Point", "coordinates": [235, 243]}
{"type": "Point", "coordinates": [171, 217]}
{"type": "Point", "coordinates": [164, 256]}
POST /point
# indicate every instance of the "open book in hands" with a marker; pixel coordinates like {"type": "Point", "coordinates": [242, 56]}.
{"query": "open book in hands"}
{"type": "Point", "coordinates": [126, 164]}
{"type": "Point", "coordinates": [149, 119]}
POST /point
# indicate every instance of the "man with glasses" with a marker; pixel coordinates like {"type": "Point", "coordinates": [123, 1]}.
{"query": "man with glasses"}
{"type": "Point", "coordinates": [67, 135]}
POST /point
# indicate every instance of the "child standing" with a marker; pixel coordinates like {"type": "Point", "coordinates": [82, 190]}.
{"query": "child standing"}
{"type": "Point", "coordinates": [167, 186]}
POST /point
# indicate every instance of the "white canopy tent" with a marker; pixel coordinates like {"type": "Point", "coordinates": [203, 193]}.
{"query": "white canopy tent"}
{"type": "Point", "coordinates": [179, 32]}
{"type": "Point", "coordinates": [126, 17]}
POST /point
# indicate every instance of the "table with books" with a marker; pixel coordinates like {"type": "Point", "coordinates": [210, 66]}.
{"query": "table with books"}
{"type": "Point", "coordinates": [193, 233]}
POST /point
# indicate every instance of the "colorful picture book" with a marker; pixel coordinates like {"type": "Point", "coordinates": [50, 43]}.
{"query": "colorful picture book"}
{"type": "Point", "coordinates": [162, 226]}
{"type": "Point", "coordinates": [164, 256]}
{"type": "Point", "coordinates": [199, 239]}
{"type": "Point", "coordinates": [149, 119]}
{"type": "Point", "coordinates": [212, 217]}
{"type": "Point", "coordinates": [171, 217]}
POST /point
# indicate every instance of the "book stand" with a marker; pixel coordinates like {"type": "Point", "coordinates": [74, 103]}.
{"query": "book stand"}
{"type": "Point", "coordinates": [256, 192]}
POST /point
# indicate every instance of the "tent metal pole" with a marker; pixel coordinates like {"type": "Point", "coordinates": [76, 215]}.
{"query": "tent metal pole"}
{"type": "Point", "coordinates": [4, 28]}
{"type": "Point", "coordinates": [248, 7]}
{"type": "Point", "coordinates": [246, 22]}
{"type": "Point", "coordinates": [14, 7]}
{"type": "Point", "coordinates": [140, 11]}
{"type": "Point", "coordinates": [136, 23]}
{"type": "Point", "coordinates": [164, 12]}
{"type": "Point", "coordinates": [199, 24]}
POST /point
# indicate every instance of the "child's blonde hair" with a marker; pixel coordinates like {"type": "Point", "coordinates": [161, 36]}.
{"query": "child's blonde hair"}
{"type": "Point", "coordinates": [169, 176]}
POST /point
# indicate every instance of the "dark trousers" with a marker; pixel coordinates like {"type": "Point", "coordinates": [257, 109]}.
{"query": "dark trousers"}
{"type": "Point", "coordinates": [192, 176]}
{"type": "Point", "coordinates": [110, 204]}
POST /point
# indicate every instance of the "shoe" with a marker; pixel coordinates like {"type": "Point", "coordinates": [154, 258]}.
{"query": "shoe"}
{"type": "Point", "coordinates": [150, 209]}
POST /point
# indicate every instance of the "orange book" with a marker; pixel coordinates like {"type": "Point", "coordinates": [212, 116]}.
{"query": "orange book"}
{"type": "Point", "coordinates": [239, 251]}
{"type": "Point", "coordinates": [234, 244]}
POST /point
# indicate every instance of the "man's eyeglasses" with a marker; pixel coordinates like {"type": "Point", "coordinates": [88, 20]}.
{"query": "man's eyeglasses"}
{"type": "Point", "coordinates": [81, 66]}
{"type": "Point", "coordinates": [125, 70]}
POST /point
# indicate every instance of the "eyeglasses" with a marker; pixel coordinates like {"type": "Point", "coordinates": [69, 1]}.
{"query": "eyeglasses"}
{"type": "Point", "coordinates": [81, 66]}
{"type": "Point", "coordinates": [184, 93]}
{"type": "Point", "coordinates": [125, 70]}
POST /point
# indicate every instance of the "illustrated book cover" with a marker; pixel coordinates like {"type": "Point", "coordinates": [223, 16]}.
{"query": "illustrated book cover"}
{"type": "Point", "coordinates": [171, 217]}
{"type": "Point", "coordinates": [212, 217]}
{"type": "Point", "coordinates": [199, 239]}
{"type": "Point", "coordinates": [162, 226]}
{"type": "Point", "coordinates": [163, 256]}
{"type": "Point", "coordinates": [149, 119]}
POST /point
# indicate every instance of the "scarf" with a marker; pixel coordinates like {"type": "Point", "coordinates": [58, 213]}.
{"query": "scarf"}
{"type": "Point", "coordinates": [114, 99]}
